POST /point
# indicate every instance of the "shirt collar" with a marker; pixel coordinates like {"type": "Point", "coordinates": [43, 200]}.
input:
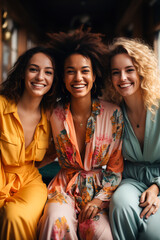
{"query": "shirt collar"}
{"type": "Point", "coordinates": [12, 108]}
{"type": "Point", "coordinates": [43, 122]}
{"type": "Point", "coordinates": [96, 110]}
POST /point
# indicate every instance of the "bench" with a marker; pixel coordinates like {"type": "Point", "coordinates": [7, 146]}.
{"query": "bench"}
{"type": "Point", "coordinates": [49, 171]}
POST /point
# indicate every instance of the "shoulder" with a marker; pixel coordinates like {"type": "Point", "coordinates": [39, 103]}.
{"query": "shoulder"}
{"type": "Point", "coordinates": [58, 113]}
{"type": "Point", "coordinates": [3, 99]}
{"type": "Point", "coordinates": [3, 103]}
{"type": "Point", "coordinates": [109, 107]}
{"type": "Point", "coordinates": [110, 113]}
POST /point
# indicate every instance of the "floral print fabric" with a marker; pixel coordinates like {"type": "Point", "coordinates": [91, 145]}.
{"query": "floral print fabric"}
{"type": "Point", "coordinates": [99, 174]}
{"type": "Point", "coordinates": [81, 180]}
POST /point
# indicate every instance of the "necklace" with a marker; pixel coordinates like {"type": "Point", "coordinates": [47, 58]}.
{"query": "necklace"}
{"type": "Point", "coordinates": [81, 124]}
{"type": "Point", "coordinates": [77, 121]}
{"type": "Point", "coordinates": [81, 119]}
{"type": "Point", "coordinates": [140, 120]}
{"type": "Point", "coordinates": [136, 124]}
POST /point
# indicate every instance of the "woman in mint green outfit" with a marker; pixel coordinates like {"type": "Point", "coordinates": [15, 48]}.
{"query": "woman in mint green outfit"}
{"type": "Point", "coordinates": [134, 82]}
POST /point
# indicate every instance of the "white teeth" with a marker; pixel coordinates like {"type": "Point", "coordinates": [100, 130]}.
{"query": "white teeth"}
{"type": "Point", "coordinates": [38, 84]}
{"type": "Point", "coordinates": [78, 86]}
{"type": "Point", "coordinates": [125, 85]}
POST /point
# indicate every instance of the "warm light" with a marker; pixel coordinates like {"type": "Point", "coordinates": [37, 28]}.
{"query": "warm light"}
{"type": "Point", "coordinates": [5, 14]}
{"type": "Point", "coordinates": [5, 24]}
{"type": "Point", "coordinates": [7, 35]}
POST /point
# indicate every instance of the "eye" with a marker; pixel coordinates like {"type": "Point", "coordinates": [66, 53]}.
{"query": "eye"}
{"type": "Point", "coordinates": [130, 70]}
{"type": "Point", "coordinates": [85, 71]}
{"type": "Point", "coordinates": [49, 72]}
{"type": "Point", "coordinates": [33, 69]}
{"type": "Point", "coordinates": [70, 72]}
{"type": "Point", "coordinates": [114, 73]}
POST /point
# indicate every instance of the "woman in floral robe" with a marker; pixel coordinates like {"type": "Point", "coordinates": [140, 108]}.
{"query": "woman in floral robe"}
{"type": "Point", "coordinates": [88, 138]}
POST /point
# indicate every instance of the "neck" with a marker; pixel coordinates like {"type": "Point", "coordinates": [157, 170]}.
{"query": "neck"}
{"type": "Point", "coordinates": [81, 107]}
{"type": "Point", "coordinates": [134, 104]}
{"type": "Point", "coordinates": [29, 104]}
{"type": "Point", "coordinates": [136, 112]}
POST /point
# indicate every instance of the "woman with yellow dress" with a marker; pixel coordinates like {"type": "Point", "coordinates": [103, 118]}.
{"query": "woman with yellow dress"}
{"type": "Point", "coordinates": [24, 138]}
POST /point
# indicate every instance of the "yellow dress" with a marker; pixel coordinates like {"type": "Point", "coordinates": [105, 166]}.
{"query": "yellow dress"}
{"type": "Point", "coordinates": [22, 192]}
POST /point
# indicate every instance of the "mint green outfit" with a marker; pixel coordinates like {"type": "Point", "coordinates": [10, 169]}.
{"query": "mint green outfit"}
{"type": "Point", "coordinates": [141, 169]}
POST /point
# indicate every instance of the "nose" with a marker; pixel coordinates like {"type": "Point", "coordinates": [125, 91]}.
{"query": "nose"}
{"type": "Point", "coordinates": [40, 75]}
{"type": "Point", "coordinates": [78, 76]}
{"type": "Point", "coordinates": [123, 76]}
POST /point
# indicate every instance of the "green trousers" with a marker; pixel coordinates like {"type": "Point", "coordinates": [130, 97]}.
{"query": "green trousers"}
{"type": "Point", "coordinates": [125, 212]}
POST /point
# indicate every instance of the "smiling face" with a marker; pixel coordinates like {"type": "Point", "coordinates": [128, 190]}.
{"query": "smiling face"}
{"type": "Point", "coordinates": [39, 75]}
{"type": "Point", "coordinates": [124, 75]}
{"type": "Point", "coordinates": [78, 76]}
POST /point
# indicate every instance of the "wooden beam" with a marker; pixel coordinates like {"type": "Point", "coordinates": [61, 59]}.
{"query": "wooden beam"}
{"type": "Point", "coordinates": [1, 61]}
{"type": "Point", "coordinates": [22, 41]}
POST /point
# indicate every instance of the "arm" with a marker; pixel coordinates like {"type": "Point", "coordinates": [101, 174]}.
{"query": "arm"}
{"type": "Point", "coordinates": [111, 176]}
{"type": "Point", "coordinates": [110, 182]}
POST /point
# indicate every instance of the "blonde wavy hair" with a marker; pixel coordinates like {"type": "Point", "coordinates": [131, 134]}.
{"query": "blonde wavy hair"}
{"type": "Point", "coordinates": [146, 65]}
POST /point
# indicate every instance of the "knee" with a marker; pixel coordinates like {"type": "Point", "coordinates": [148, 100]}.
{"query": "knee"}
{"type": "Point", "coordinates": [121, 207]}
{"type": "Point", "coordinates": [58, 214]}
{"type": "Point", "coordinates": [12, 213]}
{"type": "Point", "coordinates": [118, 202]}
{"type": "Point", "coordinates": [53, 222]}
{"type": "Point", "coordinates": [87, 229]}
{"type": "Point", "coordinates": [93, 229]}
{"type": "Point", "coordinates": [9, 213]}
{"type": "Point", "coordinates": [53, 211]}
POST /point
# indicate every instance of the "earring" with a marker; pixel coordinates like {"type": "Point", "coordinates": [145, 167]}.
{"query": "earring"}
{"type": "Point", "coordinates": [94, 88]}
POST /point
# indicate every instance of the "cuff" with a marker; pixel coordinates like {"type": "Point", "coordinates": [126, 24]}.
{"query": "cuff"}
{"type": "Point", "coordinates": [156, 181]}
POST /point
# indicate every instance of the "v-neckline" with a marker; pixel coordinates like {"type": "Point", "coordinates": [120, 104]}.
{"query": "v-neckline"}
{"type": "Point", "coordinates": [136, 139]}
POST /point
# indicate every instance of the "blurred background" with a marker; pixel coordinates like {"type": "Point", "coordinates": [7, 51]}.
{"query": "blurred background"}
{"type": "Point", "coordinates": [26, 23]}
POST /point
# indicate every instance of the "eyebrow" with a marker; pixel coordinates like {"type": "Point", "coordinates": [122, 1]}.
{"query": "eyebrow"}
{"type": "Point", "coordinates": [125, 67]}
{"type": "Point", "coordinates": [82, 67]}
{"type": "Point", "coordinates": [32, 64]}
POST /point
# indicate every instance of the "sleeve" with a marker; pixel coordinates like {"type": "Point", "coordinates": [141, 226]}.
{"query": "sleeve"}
{"type": "Point", "coordinates": [112, 175]}
{"type": "Point", "coordinates": [156, 181]}
{"type": "Point", "coordinates": [3, 103]}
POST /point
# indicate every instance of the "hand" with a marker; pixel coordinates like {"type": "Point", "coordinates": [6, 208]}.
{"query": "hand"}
{"type": "Point", "coordinates": [90, 210]}
{"type": "Point", "coordinates": [149, 201]}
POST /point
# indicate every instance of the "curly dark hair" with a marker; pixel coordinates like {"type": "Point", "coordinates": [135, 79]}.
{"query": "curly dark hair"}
{"type": "Point", "coordinates": [89, 45]}
{"type": "Point", "coordinates": [13, 87]}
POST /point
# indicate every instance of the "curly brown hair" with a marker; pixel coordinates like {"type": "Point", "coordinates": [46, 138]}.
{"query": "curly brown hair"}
{"type": "Point", "coordinates": [89, 45]}
{"type": "Point", "coordinates": [146, 64]}
{"type": "Point", "coordinates": [13, 87]}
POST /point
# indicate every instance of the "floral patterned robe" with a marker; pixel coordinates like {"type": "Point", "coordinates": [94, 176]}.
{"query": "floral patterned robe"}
{"type": "Point", "coordinates": [78, 182]}
{"type": "Point", "coordinates": [100, 173]}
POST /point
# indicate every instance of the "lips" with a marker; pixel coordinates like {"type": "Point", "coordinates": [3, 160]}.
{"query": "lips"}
{"type": "Point", "coordinates": [78, 86]}
{"type": "Point", "coordinates": [125, 85]}
{"type": "Point", "coordinates": [38, 84]}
